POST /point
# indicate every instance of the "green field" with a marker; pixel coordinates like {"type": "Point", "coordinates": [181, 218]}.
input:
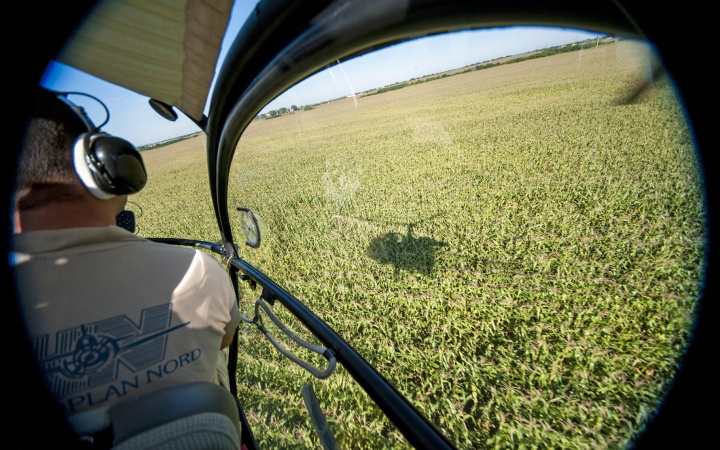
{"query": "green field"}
{"type": "Point", "coordinates": [519, 254]}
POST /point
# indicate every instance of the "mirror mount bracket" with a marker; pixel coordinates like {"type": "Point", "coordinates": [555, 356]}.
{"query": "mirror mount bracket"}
{"type": "Point", "coordinates": [229, 251]}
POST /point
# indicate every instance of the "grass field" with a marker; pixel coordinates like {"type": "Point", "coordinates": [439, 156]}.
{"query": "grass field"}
{"type": "Point", "coordinates": [517, 253]}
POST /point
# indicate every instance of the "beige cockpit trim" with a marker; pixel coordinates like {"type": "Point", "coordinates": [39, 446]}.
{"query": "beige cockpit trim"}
{"type": "Point", "coordinates": [164, 49]}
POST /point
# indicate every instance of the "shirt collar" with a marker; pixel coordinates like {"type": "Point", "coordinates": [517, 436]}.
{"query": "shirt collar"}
{"type": "Point", "coordinates": [34, 242]}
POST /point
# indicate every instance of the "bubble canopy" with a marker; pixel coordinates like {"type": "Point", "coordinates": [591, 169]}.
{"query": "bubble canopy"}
{"type": "Point", "coordinates": [494, 216]}
{"type": "Point", "coordinates": [245, 88]}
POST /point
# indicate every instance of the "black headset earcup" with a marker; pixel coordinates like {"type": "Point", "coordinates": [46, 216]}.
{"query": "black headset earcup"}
{"type": "Point", "coordinates": [86, 167]}
{"type": "Point", "coordinates": [119, 166]}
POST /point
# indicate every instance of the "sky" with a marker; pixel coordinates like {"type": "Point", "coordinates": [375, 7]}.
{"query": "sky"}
{"type": "Point", "coordinates": [132, 118]}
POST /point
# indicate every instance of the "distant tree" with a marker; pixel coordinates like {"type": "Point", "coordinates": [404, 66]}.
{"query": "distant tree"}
{"type": "Point", "coordinates": [272, 113]}
{"type": "Point", "coordinates": [282, 110]}
{"type": "Point", "coordinates": [307, 108]}
{"type": "Point", "coordinates": [293, 108]}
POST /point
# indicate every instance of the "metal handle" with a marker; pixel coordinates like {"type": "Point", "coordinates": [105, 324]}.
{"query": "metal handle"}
{"type": "Point", "coordinates": [325, 352]}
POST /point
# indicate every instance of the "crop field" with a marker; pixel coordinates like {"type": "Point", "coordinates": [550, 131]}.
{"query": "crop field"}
{"type": "Point", "coordinates": [519, 254]}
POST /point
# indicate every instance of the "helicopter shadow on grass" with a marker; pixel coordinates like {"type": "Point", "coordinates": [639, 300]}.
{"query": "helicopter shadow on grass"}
{"type": "Point", "coordinates": [405, 252]}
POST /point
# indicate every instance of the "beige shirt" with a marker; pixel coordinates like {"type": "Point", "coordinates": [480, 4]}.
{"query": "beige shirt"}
{"type": "Point", "coordinates": [113, 315]}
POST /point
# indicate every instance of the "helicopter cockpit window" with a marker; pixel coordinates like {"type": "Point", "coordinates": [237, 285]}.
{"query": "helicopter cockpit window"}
{"type": "Point", "coordinates": [507, 223]}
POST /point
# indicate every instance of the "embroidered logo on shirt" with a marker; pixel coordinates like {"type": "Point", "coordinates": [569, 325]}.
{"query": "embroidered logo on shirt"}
{"type": "Point", "coordinates": [90, 355]}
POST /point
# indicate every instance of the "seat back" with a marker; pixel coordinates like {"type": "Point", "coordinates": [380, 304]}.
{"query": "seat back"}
{"type": "Point", "coordinates": [196, 415]}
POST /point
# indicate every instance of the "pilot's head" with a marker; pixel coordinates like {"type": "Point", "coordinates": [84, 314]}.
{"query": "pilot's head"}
{"type": "Point", "coordinates": [45, 172]}
{"type": "Point", "coordinates": [67, 159]}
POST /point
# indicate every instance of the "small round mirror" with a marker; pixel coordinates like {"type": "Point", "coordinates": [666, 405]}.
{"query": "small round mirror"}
{"type": "Point", "coordinates": [252, 227]}
{"type": "Point", "coordinates": [165, 110]}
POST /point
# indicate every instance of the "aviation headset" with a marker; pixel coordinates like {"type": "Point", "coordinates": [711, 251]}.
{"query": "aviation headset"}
{"type": "Point", "coordinates": [107, 166]}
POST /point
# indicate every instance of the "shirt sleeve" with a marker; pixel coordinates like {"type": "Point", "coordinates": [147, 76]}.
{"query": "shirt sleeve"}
{"type": "Point", "coordinates": [234, 317]}
{"type": "Point", "coordinates": [222, 307]}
